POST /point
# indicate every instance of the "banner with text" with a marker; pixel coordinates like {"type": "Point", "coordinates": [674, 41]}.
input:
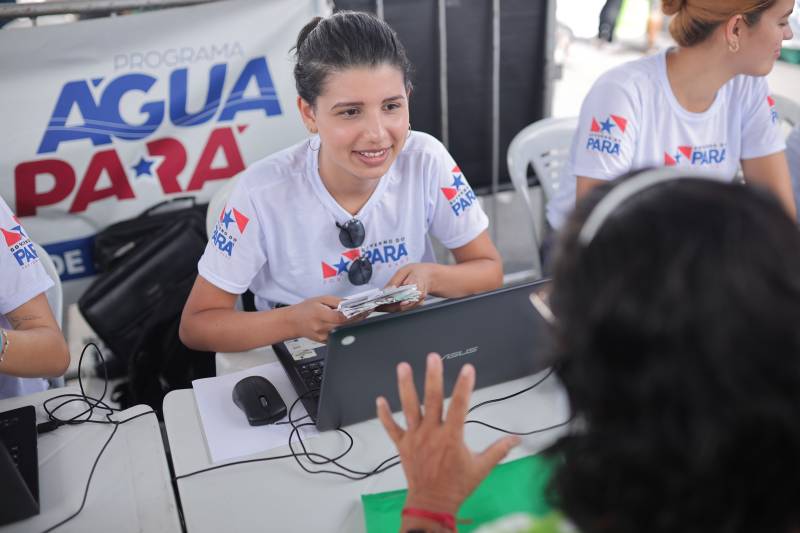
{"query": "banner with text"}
{"type": "Point", "coordinates": [104, 118]}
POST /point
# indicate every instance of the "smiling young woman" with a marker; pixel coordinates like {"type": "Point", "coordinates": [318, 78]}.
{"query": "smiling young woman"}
{"type": "Point", "coordinates": [703, 105]}
{"type": "Point", "coordinates": [352, 207]}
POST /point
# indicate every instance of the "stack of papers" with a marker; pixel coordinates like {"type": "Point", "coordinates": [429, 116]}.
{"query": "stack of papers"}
{"type": "Point", "coordinates": [366, 301]}
{"type": "Point", "coordinates": [225, 426]}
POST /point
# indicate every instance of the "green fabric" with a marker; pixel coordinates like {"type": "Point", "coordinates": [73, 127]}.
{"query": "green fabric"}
{"type": "Point", "coordinates": [513, 487]}
{"type": "Point", "coordinates": [522, 523]}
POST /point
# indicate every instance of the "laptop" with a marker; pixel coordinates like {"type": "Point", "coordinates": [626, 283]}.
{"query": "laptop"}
{"type": "Point", "coordinates": [19, 465]}
{"type": "Point", "coordinates": [499, 332]}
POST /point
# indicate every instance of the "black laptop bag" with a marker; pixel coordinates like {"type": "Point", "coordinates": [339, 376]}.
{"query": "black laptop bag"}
{"type": "Point", "coordinates": [119, 240]}
{"type": "Point", "coordinates": [135, 306]}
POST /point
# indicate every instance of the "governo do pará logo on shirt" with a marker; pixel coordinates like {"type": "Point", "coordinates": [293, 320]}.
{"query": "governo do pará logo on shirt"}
{"type": "Point", "coordinates": [229, 228]}
{"type": "Point", "coordinates": [773, 112]}
{"type": "Point", "coordinates": [459, 193]}
{"type": "Point", "coordinates": [390, 253]}
{"type": "Point", "coordinates": [605, 135]}
{"type": "Point", "coordinates": [705, 155]}
{"type": "Point", "coordinates": [20, 246]}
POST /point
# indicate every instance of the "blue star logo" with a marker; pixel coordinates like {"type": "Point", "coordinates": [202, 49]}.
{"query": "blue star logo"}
{"type": "Point", "coordinates": [458, 180]}
{"type": "Point", "coordinates": [606, 125]}
{"type": "Point", "coordinates": [227, 219]}
{"type": "Point", "coordinates": [143, 167]}
{"type": "Point", "coordinates": [678, 157]}
{"type": "Point", "coordinates": [341, 266]}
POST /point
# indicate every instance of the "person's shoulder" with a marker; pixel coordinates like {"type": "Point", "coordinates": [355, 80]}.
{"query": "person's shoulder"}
{"type": "Point", "coordinates": [632, 77]}
{"type": "Point", "coordinates": [420, 142]}
{"type": "Point", "coordinates": [422, 155]}
{"type": "Point", "coordinates": [743, 86]}
{"type": "Point", "coordinates": [282, 168]}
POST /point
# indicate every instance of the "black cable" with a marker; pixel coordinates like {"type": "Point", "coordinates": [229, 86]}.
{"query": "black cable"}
{"type": "Point", "coordinates": [523, 391]}
{"type": "Point", "coordinates": [357, 475]}
{"type": "Point", "coordinates": [520, 433]}
{"type": "Point", "coordinates": [348, 473]}
{"type": "Point", "coordinates": [93, 403]}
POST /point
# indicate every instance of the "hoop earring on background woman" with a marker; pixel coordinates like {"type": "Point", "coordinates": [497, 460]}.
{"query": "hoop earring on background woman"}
{"type": "Point", "coordinates": [733, 46]}
{"type": "Point", "coordinates": [313, 141]}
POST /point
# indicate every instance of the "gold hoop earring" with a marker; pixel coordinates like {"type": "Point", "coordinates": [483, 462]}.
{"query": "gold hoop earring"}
{"type": "Point", "coordinates": [734, 46]}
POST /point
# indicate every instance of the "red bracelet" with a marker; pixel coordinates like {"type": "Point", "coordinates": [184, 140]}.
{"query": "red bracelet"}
{"type": "Point", "coordinates": [444, 519]}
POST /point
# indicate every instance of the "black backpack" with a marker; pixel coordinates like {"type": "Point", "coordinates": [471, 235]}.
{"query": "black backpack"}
{"type": "Point", "coordinates": [136, 304]}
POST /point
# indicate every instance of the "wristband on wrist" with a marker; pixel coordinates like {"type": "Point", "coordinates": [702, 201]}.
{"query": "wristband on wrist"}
{"type": "Point", "coordinates": [5, 342]}
{"type": "Point", "coordinates": [445, 520]}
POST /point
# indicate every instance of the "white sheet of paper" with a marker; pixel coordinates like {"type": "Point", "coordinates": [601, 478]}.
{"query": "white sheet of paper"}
{"type": "Point", "coordinates": [227, 432]}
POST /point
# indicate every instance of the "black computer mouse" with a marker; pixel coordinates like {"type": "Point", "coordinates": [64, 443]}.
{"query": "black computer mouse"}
{"type": "Point", "coordinates": [259, 399]}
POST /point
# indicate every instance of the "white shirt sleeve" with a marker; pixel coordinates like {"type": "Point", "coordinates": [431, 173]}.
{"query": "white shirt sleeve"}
{"type": "Point", "coordinates": [236, 250]}
{"type": "Point", "coordinates": [455, 217]}
{"type": "Point", "coordinates": [607, 134]}
{"type": "Point", "coordinates": [22, 276]}
{"type": "Point", "coordinates": [761, 133]}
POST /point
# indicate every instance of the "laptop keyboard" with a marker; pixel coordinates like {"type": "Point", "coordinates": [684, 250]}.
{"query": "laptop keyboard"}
{"type": "Point", "coordinates": [311, 373]}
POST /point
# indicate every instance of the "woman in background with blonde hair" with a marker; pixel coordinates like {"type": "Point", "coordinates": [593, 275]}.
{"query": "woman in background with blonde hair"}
{"type": "Point", "coordinates": [703, 105]}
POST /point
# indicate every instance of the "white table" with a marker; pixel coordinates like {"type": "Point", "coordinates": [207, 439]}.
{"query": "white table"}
{"type": "Point", "coordinates": [227, 363]}
{"type": "Point", "coordinates": [131, 490]}
{"type": "Point", "coordinates": [279, 496]}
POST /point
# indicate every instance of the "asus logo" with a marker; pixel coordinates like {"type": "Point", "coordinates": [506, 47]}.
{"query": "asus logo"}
{"type": "Point", "coordinates": [459, 353]}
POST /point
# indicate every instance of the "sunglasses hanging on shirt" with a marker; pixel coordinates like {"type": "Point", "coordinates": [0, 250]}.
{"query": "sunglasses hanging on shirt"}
{"type": "Point", "coordinates": [351, 235]}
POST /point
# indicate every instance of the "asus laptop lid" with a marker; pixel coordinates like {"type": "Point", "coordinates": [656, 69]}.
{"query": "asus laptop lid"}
{"type": "Point", "coordinates": [499, 332]}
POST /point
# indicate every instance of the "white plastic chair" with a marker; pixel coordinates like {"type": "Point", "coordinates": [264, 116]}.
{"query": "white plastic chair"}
{"type": "Point", "coordinates": [545, 145]}
{"type": "Point", "coordinates": [788, 110]}
{"type": "Point", "coordinates": [217, 203]}
{"type": "Point", "coordinates": [55, 298]}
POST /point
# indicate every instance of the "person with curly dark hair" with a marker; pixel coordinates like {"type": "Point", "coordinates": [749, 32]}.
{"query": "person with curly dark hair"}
{"type": "Point", "coordinates": [675, 302]}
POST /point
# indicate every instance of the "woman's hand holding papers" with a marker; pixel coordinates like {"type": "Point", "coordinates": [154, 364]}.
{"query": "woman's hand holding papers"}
{"type": "Point", "coordinates": [440, 469]}
{"type": "Point", "coordinates": [316, 317]}
{"type": "Point", "coordinates": [419, 274]}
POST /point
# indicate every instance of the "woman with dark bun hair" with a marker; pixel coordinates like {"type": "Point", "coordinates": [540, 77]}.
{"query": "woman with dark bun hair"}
{"type": "Point", "coordinates": [675, 301]}
{"type": "Point", "coordinates": [351, 208]}
{"type": "Point", "coordinates": [703, 106]}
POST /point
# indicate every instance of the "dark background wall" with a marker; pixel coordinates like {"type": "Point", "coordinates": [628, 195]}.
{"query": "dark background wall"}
{"type": "Point", "coordinates": [523, 25]}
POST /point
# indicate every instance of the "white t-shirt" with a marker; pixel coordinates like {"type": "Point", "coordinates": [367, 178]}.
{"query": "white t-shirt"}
{"type": "Point", "coordinates": [631, 120]}
{"type": "Point", "coordinates": [22, 277]}
{"type": "Point", "coordinates": [277, 234]}
{"type": "Point", "coordinates": [793, 157]}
